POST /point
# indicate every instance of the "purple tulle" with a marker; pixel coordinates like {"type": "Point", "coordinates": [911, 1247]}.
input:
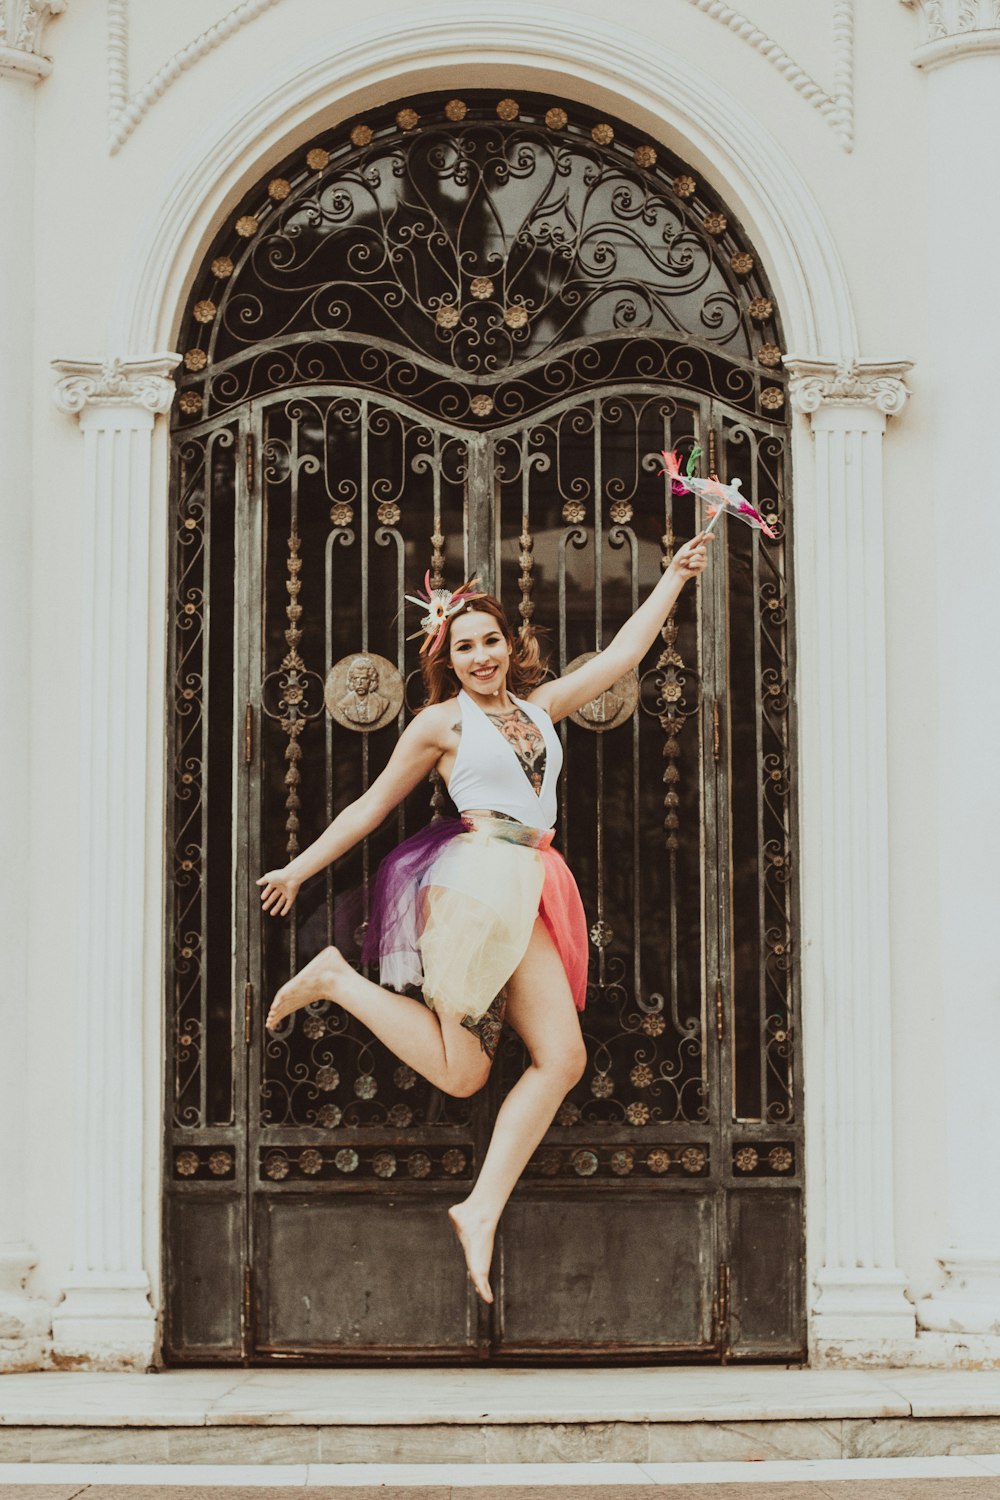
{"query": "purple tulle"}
{"type": "Point", "coordinates": [394, 909]}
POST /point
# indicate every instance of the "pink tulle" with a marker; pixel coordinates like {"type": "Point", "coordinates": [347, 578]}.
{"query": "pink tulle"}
{"type": "Point", "coordinates": [562, 912]}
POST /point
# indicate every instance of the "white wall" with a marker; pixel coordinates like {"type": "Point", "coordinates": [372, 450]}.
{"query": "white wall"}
{"type": "Point", "coordinates": [93, 209]}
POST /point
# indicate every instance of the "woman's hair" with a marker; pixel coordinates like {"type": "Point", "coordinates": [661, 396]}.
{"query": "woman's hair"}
{"type": "Point", "coordinates": [526, 667]}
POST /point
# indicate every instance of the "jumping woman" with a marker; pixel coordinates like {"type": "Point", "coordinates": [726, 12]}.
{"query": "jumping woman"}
{"type": "Point", "coordinates": [478, 912]}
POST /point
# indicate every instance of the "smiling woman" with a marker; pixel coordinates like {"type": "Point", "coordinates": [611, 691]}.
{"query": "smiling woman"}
{"type": "Point", "coordinates": [478, 913]}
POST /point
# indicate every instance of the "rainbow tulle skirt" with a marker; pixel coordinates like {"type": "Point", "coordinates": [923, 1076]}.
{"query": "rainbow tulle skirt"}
{"type": "Point", "coordinates": [454, 906]}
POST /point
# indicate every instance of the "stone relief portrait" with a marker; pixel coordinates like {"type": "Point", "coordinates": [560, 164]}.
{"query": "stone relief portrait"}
{"type": "Point", "coordinates": [608, 709]}
{"type": "Point", "coordinates": [363, 691]}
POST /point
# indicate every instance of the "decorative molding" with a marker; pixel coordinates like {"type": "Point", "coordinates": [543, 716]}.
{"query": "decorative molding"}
{"type": "Point", "coordinates": [955, 28]}
{"type": "Point", "coordinates": [955, 17]}
{"type": "Point", "coordinates": [23, 22]}
{"type": "Point", "coordinates": [588, 51]}
{"type": "Point", "coordinates": [866, 382]}
{"type": "Point", "coordinates": [22, 26]}
{"type": "Point", "coordinates": [836, 108]}
{"type": "Point", "coordinates": [115, 382]}
{"type": "Point", "coordinates": [127, 110]}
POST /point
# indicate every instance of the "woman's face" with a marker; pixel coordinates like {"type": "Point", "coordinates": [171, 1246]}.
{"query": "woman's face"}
{"type": "Point", "coordinates": [478, 653]}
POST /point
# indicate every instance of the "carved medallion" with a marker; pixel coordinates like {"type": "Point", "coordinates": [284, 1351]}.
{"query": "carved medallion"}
{"type": "Point", "coordinates": [363, 691]}
{"type": "Point", "coordinates": [611, 708]}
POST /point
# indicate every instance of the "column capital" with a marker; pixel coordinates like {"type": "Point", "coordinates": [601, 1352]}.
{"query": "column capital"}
{"type": "Point", "coordinates": [22, 26]}
{"type": "Point", "coordinates": [872, 383]}
{"type": "Point", "coordinates": [955, 28]}
{"type": "Point", "coordinates": [142, 383]}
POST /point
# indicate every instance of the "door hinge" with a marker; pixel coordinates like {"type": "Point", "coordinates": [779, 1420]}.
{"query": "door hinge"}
{"type": "Point", "coordinates": [249, 462]}
{"type": "Point", "coordinates": [720, 1015]}
{"type": "Point", "coordinates": [716, 735]}
{"type": "Point", "coordinates": [248, 735]}
{"type": "Point", "coordinates": [247, 1296]}
{"type": "Point", "coordinates": [247, 1012]}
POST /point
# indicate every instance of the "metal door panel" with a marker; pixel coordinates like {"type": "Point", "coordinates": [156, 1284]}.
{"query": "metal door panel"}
{"type": "Point", "coordinates": [765, 1253]}
{"type": "Point", "coordinates": [360, 1272]}
{"type": "Point", "coordinates": [607, 1273]}
{"type": "Point", "coordinates": [205, 1310]}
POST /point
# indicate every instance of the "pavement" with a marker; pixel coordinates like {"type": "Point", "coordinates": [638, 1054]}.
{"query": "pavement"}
{"type": "Point", "coordinates": [941, 1478]}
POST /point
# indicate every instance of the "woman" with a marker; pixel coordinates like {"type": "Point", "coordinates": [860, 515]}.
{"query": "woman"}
{"type": "Point", "coordinates": [479, 913]}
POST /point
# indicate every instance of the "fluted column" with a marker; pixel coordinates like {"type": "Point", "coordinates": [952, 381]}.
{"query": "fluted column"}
{"type": "Point", "coordinates": [859, 1290]}
{"type": "Point", "coordinates": [106, 1315]}
{"type": "Point", "coordinates": [959, 53]}
{"type": "Point", "coordinates": [24, 1320]}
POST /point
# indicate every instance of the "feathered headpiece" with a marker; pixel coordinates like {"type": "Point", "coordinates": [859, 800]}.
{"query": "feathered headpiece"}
{"type": "Point", "coordinates": [440, 605]}
{"type": "Point", "coordinates": [718, 496]}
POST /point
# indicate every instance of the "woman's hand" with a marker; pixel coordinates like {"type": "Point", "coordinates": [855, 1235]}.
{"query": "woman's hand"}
{"type": "Point", "coordinates": [280, 891]}
{"type": "Point", "coordinates": [689, 560]}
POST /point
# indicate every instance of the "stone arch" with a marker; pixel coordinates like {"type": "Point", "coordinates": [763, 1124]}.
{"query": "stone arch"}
{"type": "Point", "coordinates": [479, 264]}
{"type": "Point", "coordinates": [579, 56]}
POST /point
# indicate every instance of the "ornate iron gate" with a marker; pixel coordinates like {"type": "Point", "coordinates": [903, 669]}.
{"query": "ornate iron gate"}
{"type": "Point", "coordinates": [330, 447]}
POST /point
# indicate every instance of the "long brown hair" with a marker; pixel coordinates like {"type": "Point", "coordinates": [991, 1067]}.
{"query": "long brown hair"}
{"type": "Point", "coordinates": [526, 668]}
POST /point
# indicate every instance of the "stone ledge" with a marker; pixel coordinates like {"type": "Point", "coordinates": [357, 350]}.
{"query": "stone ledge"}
{"type": "Point", "coordinates": [493, 1443]}
{"type": "Point", "coordinates": [487, 1415]}
{"type": "Point", "coordinates": [399, 1397]}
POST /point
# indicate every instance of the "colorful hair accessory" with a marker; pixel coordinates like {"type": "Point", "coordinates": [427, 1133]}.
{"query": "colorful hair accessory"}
{"type": "Point", "coordinates": [441, 604]}
{"type": "Point", "coordinates": [718, 497]}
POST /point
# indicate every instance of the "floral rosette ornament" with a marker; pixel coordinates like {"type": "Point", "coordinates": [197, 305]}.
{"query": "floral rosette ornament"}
{"type": "Point", "coordinates": [718, 497]}
{"type": "Point", "coordinates": [440, 605]}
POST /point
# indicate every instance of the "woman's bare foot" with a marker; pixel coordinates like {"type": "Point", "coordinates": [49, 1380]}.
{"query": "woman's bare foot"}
{"type": "Point", "coordinates": [317, 981]}
{"type": "Point", "coordinates": [475, 1235]}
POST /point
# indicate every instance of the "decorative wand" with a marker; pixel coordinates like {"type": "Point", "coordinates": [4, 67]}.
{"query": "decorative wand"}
{"type": "Point", "coordinates": [718, 497]}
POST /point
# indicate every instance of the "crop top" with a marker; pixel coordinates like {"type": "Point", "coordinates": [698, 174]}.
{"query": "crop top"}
{"type": "Point", "coordinates": [488, 775]}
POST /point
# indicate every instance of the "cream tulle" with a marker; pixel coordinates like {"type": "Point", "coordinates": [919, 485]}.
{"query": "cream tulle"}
{"type": "Point", "coordinates": [481, 903]}
{"type": "Point", "coordinates": [454, 907]}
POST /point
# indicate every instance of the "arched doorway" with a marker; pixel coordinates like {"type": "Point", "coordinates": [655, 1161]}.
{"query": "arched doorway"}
{"type": "Point", "coordinates": [455, 335]}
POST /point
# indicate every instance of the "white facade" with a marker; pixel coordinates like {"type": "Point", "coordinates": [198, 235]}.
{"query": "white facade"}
{"type": "Point", "coordinates": [855, 141]}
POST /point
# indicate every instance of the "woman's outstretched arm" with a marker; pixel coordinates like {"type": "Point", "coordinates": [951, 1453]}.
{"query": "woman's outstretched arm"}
{"type": "Point", "coordinates": [417, 751]}
{"type": "Point", "coordinates": [627, 648]}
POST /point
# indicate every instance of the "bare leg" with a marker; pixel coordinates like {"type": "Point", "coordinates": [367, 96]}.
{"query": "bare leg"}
{"type": "Point", "coordinates": [540, 1008]}
{"type": "Point", "coordinates": [440, 1048]}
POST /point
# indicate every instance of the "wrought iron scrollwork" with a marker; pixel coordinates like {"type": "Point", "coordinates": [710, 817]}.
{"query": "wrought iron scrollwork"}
{"type": "Point", "coordinates": [479, 268]}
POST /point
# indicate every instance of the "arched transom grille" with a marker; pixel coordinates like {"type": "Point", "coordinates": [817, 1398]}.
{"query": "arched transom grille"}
{"type": "Point", "coordinates": [479, 259]}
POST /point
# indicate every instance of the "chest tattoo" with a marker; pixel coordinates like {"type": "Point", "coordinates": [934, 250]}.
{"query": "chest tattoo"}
{"type": "Point", "coordinates": [527, 742]}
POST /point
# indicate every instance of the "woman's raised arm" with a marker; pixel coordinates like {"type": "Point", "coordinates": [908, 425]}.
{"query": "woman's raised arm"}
{"type": "Point", "coordinates": [417, 752]}
{"type": "Point", "coordinates": [627, 648]}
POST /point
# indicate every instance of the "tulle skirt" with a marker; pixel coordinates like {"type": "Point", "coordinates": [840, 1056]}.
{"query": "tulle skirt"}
{"type": "Point", "coordinates": [454, 906]}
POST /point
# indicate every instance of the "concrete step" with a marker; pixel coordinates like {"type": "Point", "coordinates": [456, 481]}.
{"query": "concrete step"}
{"type": "Point", "coordinates": [844, 1479]}
{"type": "Point", "coordinates": [490, 1416]}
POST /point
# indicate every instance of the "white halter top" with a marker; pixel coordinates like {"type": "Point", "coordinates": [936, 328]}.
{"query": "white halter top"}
{"type": "Point", "coordinates": [488, 775]}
